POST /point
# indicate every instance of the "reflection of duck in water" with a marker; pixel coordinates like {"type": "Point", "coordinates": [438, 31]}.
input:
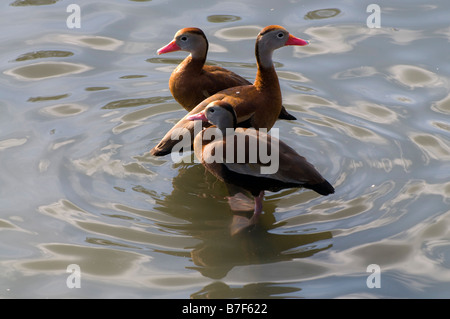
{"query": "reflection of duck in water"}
{"type": "Point", "coordinates": [215, 258]}
{"type": "Point", "coordinates": [200, 211]}
{"type": "Point", "coordinates": [291, 169]}
{"type": "Point", "coordinates": [257, 290]}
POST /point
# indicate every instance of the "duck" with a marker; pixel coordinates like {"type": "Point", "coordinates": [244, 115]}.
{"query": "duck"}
{"type": "Point", "coordinates": [192, 80]}
{"type": "Point", "coordinates": [237, 166]}
{"type": "Point", "coordinates": [257, 105]}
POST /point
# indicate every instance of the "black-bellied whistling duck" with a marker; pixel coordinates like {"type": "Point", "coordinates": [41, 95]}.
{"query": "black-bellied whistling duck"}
{"type": "Point", "coordinates": [244, 166]}
{"type": "Point", "coordinates": [257, 105]}
{"type": "Point", "coordinates": [192, 81]}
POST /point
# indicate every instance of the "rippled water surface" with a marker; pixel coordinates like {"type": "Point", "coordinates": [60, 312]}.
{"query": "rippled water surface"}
{"type": "Point", "coordinates": [80, 108]}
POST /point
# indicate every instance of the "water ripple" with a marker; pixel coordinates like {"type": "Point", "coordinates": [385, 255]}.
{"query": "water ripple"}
{"type": "Point", "coordinates": [414, 76]}
{"type": "Point", "coordinates": [322, 14]}
{"type": "Point", "coordinates": [46, 70]}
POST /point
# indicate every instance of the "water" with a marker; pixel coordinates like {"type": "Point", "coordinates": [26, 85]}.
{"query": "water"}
{"type": "Point", "coordinates": [81, 108]}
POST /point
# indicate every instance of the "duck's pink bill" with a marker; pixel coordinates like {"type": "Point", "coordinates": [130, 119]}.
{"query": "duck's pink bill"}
{"type": "Point", "coordinates": [172, 46]}
{"type": "Point", "coordinates": [296, 41]}
{"type": "Point", "coordinates": [199, 116]}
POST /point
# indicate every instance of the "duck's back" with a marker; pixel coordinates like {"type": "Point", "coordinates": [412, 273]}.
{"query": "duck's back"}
{"type": "Point", "coordinates": [190, 84]}
{"type": "Point", "coordinates": [253, 151]}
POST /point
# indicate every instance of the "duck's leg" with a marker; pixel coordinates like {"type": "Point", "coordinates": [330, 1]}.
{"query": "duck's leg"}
{"type": "Point", "coordinates": [258, 208]}
{"type": "Point", "coordinates": [238, 202]}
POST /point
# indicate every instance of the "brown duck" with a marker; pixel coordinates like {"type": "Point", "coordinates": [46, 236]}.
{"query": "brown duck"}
{"type": "Point", "coordinates": [239, 169]}
{"type": "Point", "coordinates": [256, 105]}
{"type": "Point", "coordinates": [192, 81]}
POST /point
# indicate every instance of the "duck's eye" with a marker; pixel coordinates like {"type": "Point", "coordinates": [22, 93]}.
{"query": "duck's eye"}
{"type": "Point", "coordinates": [280, 35]}
{"type": "Point", "coordinates": [211, 110]}
{"type": "Point", "coordinates": [183, 38]}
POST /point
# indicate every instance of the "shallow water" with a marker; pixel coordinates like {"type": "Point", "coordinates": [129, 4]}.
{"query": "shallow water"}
{"type": "Point", "coordinates": [81, 108]}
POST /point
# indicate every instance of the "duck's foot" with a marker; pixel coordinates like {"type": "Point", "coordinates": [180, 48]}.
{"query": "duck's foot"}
{"type": "Point", "coordinates": [241, 223]}
{"type": "Point", "coordinates": [240, 203]}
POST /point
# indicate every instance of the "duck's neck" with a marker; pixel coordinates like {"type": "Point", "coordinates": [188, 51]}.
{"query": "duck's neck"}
{"type": "Point", "coordinates": [226, 126]}
{"type": "Point", "coordinates": [200, 54]}
{"type": "Point", "coordinates": [197, 58]}
{"type": "Point", "coordinates": [266, 76]}
{"type": "Point", "coordinates": [225, 131]}
{"type": "Point", "coordinates": [192, 64]}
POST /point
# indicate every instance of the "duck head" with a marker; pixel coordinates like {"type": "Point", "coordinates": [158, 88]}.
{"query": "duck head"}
{"type": "Point", "coordinates": [191, 40]}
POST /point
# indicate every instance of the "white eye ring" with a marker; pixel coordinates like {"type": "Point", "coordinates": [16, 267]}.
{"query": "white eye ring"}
{"type": "Point", "coordinates": [184, 38]}
{"type": "Point", "coordinates": [280, 35]}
